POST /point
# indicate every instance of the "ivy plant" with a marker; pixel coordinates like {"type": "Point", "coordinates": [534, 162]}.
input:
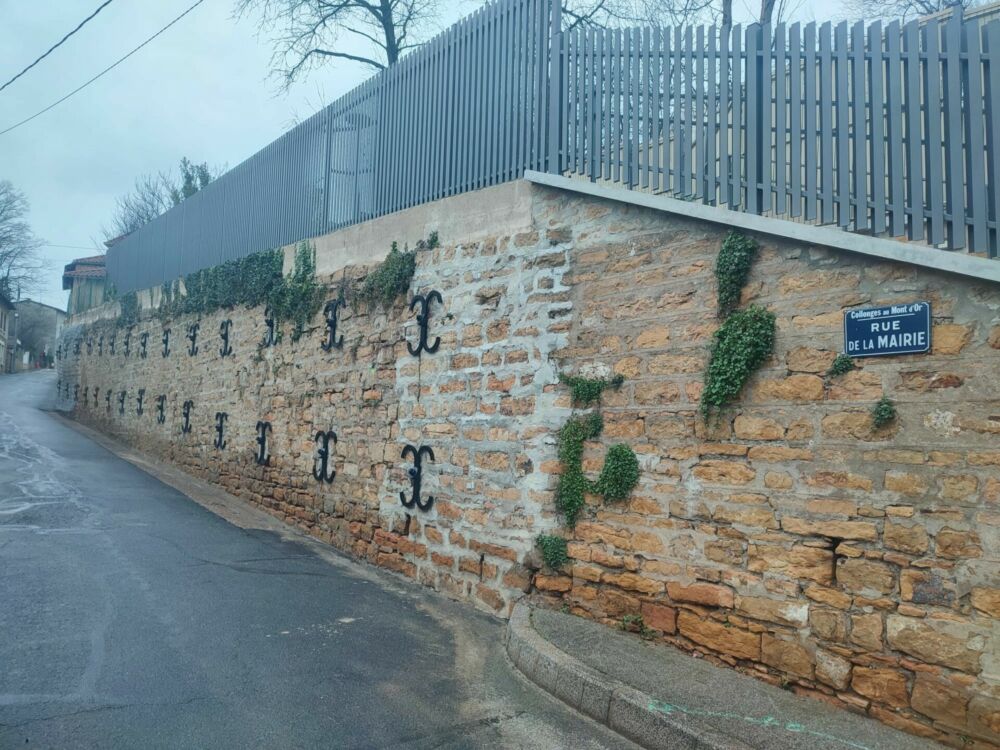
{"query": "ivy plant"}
{"type": "Point", "coordinates": [393, 276]}
{"type": "Point", "coordinates": [621, 466]}
{"type": "Point", "coordinates": [586, 391]}
{"type": "Point", "coordinates": [841, 365]}
{"type": "Point", "coordinates": [554, 550]}
{"type": "Point", "coordinates": [742, 343]}
{"type": "Point", "coordinates": [732, 266]}
{"type": "Point", "coordinates": [883, 412]}
{"type": "Point", "coordinates": [129, 314]}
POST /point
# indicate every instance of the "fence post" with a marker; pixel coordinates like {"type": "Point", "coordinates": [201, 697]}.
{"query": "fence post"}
{"type": "Point", "coordinates": [555, 86]}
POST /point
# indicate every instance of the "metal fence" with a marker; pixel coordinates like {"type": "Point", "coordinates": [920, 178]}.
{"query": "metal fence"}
{"type": "Point", "coordinates": [887, 130]}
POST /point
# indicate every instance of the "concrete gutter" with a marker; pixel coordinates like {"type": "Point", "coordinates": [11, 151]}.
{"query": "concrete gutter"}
{"type": "Point", "coordinates": [614, 704]}
{"type": "Point", "coordinates": [952, 261]}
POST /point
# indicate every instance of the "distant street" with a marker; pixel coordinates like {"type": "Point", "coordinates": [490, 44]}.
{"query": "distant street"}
{"type": "Point", "coordinates": [132, 617]}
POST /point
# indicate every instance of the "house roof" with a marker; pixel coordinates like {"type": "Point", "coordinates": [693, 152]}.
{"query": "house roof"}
{"type": "Point", "coordinates": [91, 267]}
{"type": "Point", "coordinates": [40, 304]}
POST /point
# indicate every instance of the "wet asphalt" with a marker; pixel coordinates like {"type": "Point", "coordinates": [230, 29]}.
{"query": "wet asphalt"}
{"type": "Point", "coordinates": [132, 617]}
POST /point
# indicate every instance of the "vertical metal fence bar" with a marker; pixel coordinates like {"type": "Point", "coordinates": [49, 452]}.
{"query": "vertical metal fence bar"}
{"type": "Point", "coordinates": [780, 109]}
{"type": "Point", "coordinates": [876, 89]}
{"type": "Point", "coordinates": [711, 118]}
{"type": "Point", "coordinates": [736, 148]}
{"type": "Point", "coordinates": [843, 156]}
{"type": "Point", "coordinates": [796, 135]}
{"type": "Point", "coordinates": [932, 131]}
{"type": "Point", "coordinates": [992, 76]}
{"type": "Point", "coordinates": [825, 102]}
{"type": "Point", "coordinates": [725, 139]}
{"type": "Point", "coordinates": [647, 111]}
{"type": "Point", "coordinates": [953, 133]}
{"type": "Point", "coordinates": [975, 142]}
{"type": "Point", "coordinates": [765, 157]}
{"type": "Point", "coordinates": [699, 112]}
{"type": "Point", "coordinates": [754, 109]}
{"type": "Point", "coordinates": [914, 131]}
{"type": "Point", "coordinates": [894, 118]}
{"type": "Point", "coordinates": [860, 118]}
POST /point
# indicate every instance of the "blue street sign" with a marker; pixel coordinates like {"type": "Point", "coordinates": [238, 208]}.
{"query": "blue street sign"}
{"type": "Point", "coordinates": [880, 331]}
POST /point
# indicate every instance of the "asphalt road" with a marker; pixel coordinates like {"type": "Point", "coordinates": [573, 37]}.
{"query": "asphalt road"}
{"type": "Point", "coordinates": [133, 617]}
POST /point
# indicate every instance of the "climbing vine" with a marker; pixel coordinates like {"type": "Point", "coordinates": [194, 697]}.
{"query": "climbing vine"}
{"type": "Point", "coordinates": [621, 467]}
{"type": "Point", "coordinates": [129, 314]}
{"type": "Point", "coordinates": [393, 276]}
{"type": "Point", "coordinates": [745, 338]}
{"type": "Point", "coordinates": [739, 347]}
{"type": "Point", "coordinates": [586, 391]}
{"type": "Point", "coordinates": [554, 551]}
{"type": "Point", "coordinates": [732, 267]}
{"type": "Point", "coordinates": [251, 281]}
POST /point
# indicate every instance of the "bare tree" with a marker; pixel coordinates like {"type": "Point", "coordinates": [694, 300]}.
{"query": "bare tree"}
{"type": "Point", "coordinates": [20, 265]}
{"type": "Point", "coordinates": [154, 194]}
{"type": "Point", "coordinates": [308, 33]}
{"type": "Point", "coordinates": [904, 9]}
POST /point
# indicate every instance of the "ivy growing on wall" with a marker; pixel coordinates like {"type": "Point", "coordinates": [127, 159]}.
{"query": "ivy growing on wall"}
{"type": "Point", "coordinates": [746, 337]}
{"type": "Point", "coordinates": [586, 391]}
{"type": "Point", "coordinates": [251, 281]}
{"type": "Point", "coordinates": [732, 267]}
{"type": "Point", "coordinates": [739, 347]}
{"type": "Point", "coordinates": [841, 365]}
{"type": "Point", "coordinates": [621, 466]}
{"type": "Point", "coordinates": [393, 276]}
{"type": "Point", "coordinates": [554, 550]}
{"type": "Point", "coordinates": [129, 314]}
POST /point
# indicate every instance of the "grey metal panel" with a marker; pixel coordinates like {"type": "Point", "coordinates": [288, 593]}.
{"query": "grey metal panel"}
{"type": "Point", "coordinates": [677, 111]}
{"type": "Point", "coordinates": [700, 132]}
{"type": "Point", "coordinates": [876, 140]}
{"type": "Point", "coordinates": [975, 141]}
{"type": "Point", "coordinates": [636, 107]}
{"type": "Point", "coordinates": [606, 87]}
{"type": "Point", "coordinates": [860, 167]}
{"type": "Point", "coordinates": [780, 117]}
{"type": "Point", "coordinates": [646, 150]}
{"type": "Point", "coordinates": [765, 153]}
{"type": "Point", "coordinates": [711, 118]}
{"type": "Point", "coordinates": [843, 143]}
{"type": "Point", "coordinates": [736, 147]}
{"type": "Point", "coordinates": [894, 117]}
{"type": "Point", "coordinates": [754, 107]}
{"type": "Point", "coordinates": [795, 139]}
{"type": "Point", "coordinates": [932, 130]}
{"type": "Point", "coordinates": [725, 141]}
{"type": "Point", "coordinates": [992, 33]}
{"type": "Point", "coordinates": [809, 94]}
{"type": "Point", "coordinates": [953, 134]}
{"type": "Point", "coordinates": [914, 132]}
{"type": "Point", "coordinates": [825, 101]}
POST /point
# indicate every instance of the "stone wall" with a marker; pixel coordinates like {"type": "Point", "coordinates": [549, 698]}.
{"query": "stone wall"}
{"type": "Point", "coordinates": [788, 538]}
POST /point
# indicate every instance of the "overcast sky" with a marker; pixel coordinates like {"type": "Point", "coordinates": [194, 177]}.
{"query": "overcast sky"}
{"type": "Point", "coordinates": [200, 90]}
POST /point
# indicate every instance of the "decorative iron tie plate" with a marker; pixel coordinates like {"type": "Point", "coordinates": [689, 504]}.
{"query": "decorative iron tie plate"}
{"type": "Point", "coordinates": [263, 452]}
{"type": "Point", "coordinates": [166, 342]}
{"type": "Point", "coordinates": [111, 344]}
{"type": "Point", "coordinates": [322, 467]}
{"type": "Point", "coordinates": [121, 403]}
{"type": "Point", "coordinates": [138, 400]}
{"type": "Point", "coordinates": [225, 350]}
{"type": "Point", "coordinates": [220, 426]}
{"type": "Point", "coordinates": [192, 336]}
{"type": "Point", "coordinates": [161, 401]}
{"type": "Point", "coordinates": [330, 312]}
{"type": "Point", "coordinates": [186, 414]}
{"type": "Point", "coordinates": [127, 348]}
{"type": "Point", "coordinates": [100, 346]}
{"type": "Point", "coordinates": [270, 336]}
{"type": "Point", "coordinates": [416, 475]}
{"type": "Point", "coordinates": [143, 339]}
{"type": "Point", "coordinates": [423, 320]}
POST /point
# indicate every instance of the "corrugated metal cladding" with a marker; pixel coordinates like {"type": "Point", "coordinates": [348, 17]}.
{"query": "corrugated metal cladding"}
{"type": "Point", "coordinates": [886, 130]}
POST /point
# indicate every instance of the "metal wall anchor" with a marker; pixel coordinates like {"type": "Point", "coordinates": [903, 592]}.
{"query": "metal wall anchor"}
{"type": "Point", "coordinates": [100, 346]}
{"type": "Point", "coordinates": [111, 343]}
{"type": "Point", "coordinates": [143, 339]}
{"type": "Point", "coordinates": [225, 350]}
{"type": "Point", "coordinates": [76, 393]}
{"type": "Point", "coordinates": [330, 312]}
{"type": "Point", "coordinates": [263, 454]}
{"type": "Point", "coordinates": [90, 345]}
{"type": "Point", "coordinates": [192, 336]}
{"type": "Point", "coordinates": [220, 426]}
{"type": "Point", "coordinates": [166, 342]}
{"type": "Point", "coordinates": [423, 319]}
{"type": "Point", "coordinates": [321, 468]}
{"type": "Point", "coordinates": [139, 399]}
{"type": "Point", "coordinates": [161, 402]}
{"type": "Point", "coordinates": [128, 343]}
{"type": "Point", "coordinates": [270, 339]}
{"type": "Point", "coordinates": [416, 474]}
{"type": "Point", "coordinates": [107, 399]}
{"type": "Point", "coordinates": [96, 393]}
{"type": "Point", "coordinates": [121, 402]}
{"type": "Point", "coordinates": [186, 413]}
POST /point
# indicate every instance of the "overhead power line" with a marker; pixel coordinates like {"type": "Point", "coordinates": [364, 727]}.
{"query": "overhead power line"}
{"type": "Point", "coordinates": [108, 69]}
{"type": "Point", "coordinates": [49, 51]}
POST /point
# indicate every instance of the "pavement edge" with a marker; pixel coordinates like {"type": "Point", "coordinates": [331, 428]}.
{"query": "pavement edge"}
{"type": "Point", "coordinates": [629, 712]}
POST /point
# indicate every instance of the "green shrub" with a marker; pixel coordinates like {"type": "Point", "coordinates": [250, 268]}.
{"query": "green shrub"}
{"type": "Point", "coordinates": [742, 343]}
{"type": "Point", "coordinates": [393, 276]}
{"type": "Point", "coordinates": [841, 364]}
{"type": "Point", "coordinates": [732, 266]}
{"type": "Point", "coordinates": [883, 412]}
{"type": "Point", "coordinates": [553, 550]}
